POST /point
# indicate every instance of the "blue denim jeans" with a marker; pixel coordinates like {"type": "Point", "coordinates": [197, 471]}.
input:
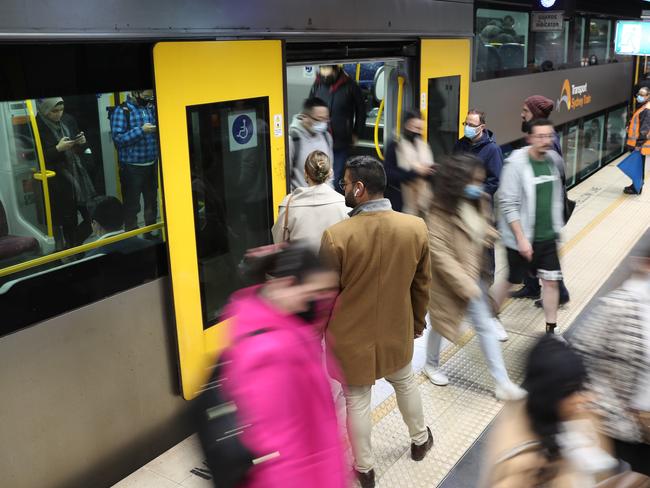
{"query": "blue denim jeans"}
{"type": "Point", "coordinates": [340, 157]}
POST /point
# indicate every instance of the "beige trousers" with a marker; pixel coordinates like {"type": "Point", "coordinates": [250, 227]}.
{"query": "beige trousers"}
{"type": "Point", "coordinates": [409, 402]}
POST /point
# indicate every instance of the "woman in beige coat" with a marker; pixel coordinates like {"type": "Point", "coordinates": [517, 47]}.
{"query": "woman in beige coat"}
{"type": "Point", "coordinates": [307, 211]}
{"type": "Point", "coordinates": [459, 230]}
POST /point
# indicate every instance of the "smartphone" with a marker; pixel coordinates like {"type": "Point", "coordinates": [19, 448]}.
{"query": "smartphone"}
{"type": "Point", "coordinates": [78, 136]}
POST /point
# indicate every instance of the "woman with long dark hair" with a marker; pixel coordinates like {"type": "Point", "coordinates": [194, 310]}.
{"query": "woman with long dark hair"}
{"type": "Point", "coordinates": [459, 230]}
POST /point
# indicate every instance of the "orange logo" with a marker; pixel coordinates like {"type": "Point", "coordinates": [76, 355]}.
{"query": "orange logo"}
{"type": "Point", "coordinates": [565, 96]}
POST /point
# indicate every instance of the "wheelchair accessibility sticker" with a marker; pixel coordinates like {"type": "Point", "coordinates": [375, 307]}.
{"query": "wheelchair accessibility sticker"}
{"type": "Point", "coordinates": [242, 130]}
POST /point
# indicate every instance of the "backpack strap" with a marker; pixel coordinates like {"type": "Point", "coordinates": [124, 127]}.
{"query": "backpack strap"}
{"type": "Point", "coordinates": [286, 234]}
{"type": "Point", "coordinates": [296, 150]}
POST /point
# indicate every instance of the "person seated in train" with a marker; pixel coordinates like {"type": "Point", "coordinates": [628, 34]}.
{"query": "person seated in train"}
{"type": "Point", "coordinates": [108, 221]}
{"type": "Point", "coordinates": [507, 26]}
{"type": "Point", "coordinates": [487, 57]}
{"type": "Point", "coordinates": [408, 165]}
{"type": "Point", "coordinates": [306, 212]}
{"type": "Point", "coordinates": [308, 133]}
{"type": "Point", "coordinates": [70, 189]}
{"type": "Point", "coordinates": [133, 129]}
{"type": "Point", "coordinates": [347, 111]}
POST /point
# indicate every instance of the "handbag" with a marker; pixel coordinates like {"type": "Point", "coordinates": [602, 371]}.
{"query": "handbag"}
{"type": "Point", "coordinates": [569, 207]}
{"type": "Point", "coordinates": [286, 234]}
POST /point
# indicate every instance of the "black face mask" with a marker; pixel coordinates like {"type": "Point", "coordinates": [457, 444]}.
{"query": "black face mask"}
{"type": "Point", "coordinates": [525, 126]}
{"type": "Point", "coordinates": [410, 136]}
{"type": "Point", "coordinates": [309, 315]}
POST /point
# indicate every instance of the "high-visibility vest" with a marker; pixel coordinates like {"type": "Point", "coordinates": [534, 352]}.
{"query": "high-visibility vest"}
{"type": "Point", "coordinates": [633, 132]}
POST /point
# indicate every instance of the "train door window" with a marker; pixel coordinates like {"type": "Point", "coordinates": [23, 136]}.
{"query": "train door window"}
{"type": "Point", "coordinates": [600, 40]}
{"type": "Point", "coordinates": [615, 142]}
{"type": "Point", "coordinates": [578, 35]}
{"type": "Point", "coordinates": [551, 48]}
{"type": "Point", "coordinates": [231, 191]}
{"type": "Point", "coordinates": [572, 152]}
{"type": "Point", "coordinates": [443, 113]}
{"type": "Point", "coordinates": [592, 145]}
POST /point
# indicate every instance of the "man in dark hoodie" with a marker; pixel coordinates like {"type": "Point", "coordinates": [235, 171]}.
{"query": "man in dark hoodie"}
{"type": "Point", "coordinates": [478, 140]}
{"type": "Point", "coordinates": [347, 111]}
{"type": "Point", "coordinates": [539, 107]}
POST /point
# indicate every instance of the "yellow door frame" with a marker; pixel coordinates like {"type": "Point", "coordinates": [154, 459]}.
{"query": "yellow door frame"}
{"type": "Point", "coordinates": [440, 58]}
{"type": "Point", "coordinates": [194, 73]}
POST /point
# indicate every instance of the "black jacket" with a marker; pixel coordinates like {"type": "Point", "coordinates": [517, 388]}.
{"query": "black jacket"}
{"type": "Point", "coordinates": [488, 151]}
{"type": "Point", "coordinates": [347, 109]}
{"type": "Point", "coordinates": [395, 176]}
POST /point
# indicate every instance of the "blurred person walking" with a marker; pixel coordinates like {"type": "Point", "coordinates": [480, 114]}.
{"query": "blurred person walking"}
{"type": "Point", "coordinates": [548, 440]}
{"type": "Point", "coordinates": [382, 259]}
{"type": "Point", "coordinates": [307, 211]}
{"type": "Point", "coordinates": [460, 228]}
{"type": "Point", "coordinates": [615, 344]}
{"type": "Point", "coordinates": [274, 375]}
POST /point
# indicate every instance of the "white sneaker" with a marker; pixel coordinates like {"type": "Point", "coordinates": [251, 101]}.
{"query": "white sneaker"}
{"type": "Point", "coordinates": [435, 375]}
{"type": "Point", "coordinates": [509, 392]}
{"type": "Point", "coordinates": [502, 335]}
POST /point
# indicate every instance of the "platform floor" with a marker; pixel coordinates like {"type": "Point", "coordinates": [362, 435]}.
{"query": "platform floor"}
{"type": "Point", "coordinates": [604, 227]}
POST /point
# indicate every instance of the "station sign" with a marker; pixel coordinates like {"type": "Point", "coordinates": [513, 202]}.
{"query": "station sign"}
{"type": "Point", "coordinates": [547, 21]}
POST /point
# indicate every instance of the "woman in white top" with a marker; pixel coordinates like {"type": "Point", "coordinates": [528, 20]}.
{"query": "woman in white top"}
{"type": "Point", "coordinates": [307, 211]}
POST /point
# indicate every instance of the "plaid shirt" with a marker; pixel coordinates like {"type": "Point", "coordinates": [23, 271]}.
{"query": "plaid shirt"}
{"type": "Point", "coordinates": [134, 146]}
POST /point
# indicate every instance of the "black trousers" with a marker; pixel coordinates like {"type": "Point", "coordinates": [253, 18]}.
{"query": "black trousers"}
{"type": "Point", "coordinates": [636, 455]}
{"type": "Point", "coordinates": [139, 180]}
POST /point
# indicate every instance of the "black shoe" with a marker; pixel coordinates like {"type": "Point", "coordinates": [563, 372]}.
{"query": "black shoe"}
{"type": "Point", "coordinates": [366, 480]}
{"type": "Point", "coordinates": [629, 190]}
{"type": "Point", "coordinates": [563, 301]}
{"type": "Point", "coordinates": [525, 292]}
{"type": "Point", "coordinates": [418, 452]}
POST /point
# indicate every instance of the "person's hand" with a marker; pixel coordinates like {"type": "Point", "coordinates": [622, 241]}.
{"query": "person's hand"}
{"type": "Point", "coordinates": [416, 335]}
{"type": "Point", "coordinates": [81, 140]}
{"type": "Point", "coordinates": [525, 249]}
{"type": "Point", "coordinates": [149, 128]}
{"type": "Point", "coordinates": [637, 148]}
{"type": "Point", "coordinates": [65, 144]}
{"type": "Point", "coordinates": [425, 171]}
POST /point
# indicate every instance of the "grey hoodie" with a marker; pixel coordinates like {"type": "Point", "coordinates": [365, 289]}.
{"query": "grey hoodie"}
{"type": "Point", "coordinates": [517, 195]}
{"type": "Point", "coordinates": [306, 143]}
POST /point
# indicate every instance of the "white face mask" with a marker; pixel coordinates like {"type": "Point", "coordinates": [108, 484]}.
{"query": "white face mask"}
{"type": "Point", "coordinates": [319, 127]}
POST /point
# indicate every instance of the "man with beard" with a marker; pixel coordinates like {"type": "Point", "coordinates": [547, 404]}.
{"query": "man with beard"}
{"type": "Point", "coordinates": [540, 107]}
{"type": "Point", "coordinates": [531, 204]}
{"type": "Point", "coordinates": [347, 111]}
{"type": "Point", "coordinates": [382, 258]}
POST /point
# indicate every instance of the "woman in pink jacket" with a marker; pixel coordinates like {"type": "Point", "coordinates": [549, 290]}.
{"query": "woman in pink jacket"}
{"type": "Point", "coordinates": [276, 375]}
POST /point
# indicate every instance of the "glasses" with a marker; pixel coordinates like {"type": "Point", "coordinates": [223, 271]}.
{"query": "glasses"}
{"type": "Point", "coordinates": [540, 137]}
{"type": "Point", "coordinates": [343, 184]}
{"type": "Point", "coordinates": [467, 124]}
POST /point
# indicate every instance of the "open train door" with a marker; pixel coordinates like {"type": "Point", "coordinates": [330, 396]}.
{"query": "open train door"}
{"type": "Point", "coordinates": [444, 90]}
{"type": "Point", "coordinates": [221, 124]}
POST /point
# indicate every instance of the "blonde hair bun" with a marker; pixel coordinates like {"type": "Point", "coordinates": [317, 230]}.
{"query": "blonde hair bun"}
{"type": "Point", "coordinates": [318, 167]}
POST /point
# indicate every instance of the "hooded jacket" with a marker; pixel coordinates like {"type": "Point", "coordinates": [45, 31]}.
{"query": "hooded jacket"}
{"type": "Point", "coordinates": [301, 144]}
{"type": "Point", "coordinates": [312, 210]}
{"type": "Point", "coordinates": [517, 195]}
{"type": "Point", "coordinates": [488, 151]}
{"type": "Point", "coordinates": [347, 109]}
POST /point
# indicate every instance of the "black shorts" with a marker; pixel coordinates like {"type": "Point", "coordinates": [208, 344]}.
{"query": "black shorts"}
{"type": "Point", "coordinates": [545, 263]}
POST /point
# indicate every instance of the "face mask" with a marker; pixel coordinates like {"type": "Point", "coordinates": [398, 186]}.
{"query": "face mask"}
{"type": "Point", "coordinates": [410, 135]}
{"type": "Point", "coordinates": [470, 132]}
{"type": "Point", "coordinates": [525, 125]}
{"type": "Point", "coordinates": [309, 315]}
{"type": "Point", "coordinates": [640, 99]}
{"type": "Point", "coordinates": [319, 127]}
{"type": "Point", "coordinates": [473, 192]}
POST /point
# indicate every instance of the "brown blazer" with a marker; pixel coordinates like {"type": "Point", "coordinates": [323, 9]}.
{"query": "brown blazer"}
{"type": "Point", "coordinates": [383, 262]}
{"type": "Point", "coordinates": [456, 265]}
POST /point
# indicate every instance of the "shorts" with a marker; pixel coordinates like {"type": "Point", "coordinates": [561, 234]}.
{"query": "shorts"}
{"type": "Point", "coordinates": [545, 264]}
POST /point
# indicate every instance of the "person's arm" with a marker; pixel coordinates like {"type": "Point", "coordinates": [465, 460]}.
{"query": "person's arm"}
{"type": "Point", "coordinates": [420, 285]}
{"type": "Point", "coordinates": [277, 231]}
{"type": "Point", "coordinates": [359, 110]}
{"type": "Point", "coordinates": [329, 255]}
{"type": "Point", "coordinates": [510, 204]}
{"type": "Point", "coordinates": [120, 131]}
{"type": "Point", "coordinates": [644, 127]}
{"type": "Point", "coordinates": [493, 167]}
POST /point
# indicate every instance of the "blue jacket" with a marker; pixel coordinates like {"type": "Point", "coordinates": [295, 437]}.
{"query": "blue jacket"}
{"type": "Point", "coordinates": [134, 146]}
{"type": "Point", "coordinates": [488, 151]}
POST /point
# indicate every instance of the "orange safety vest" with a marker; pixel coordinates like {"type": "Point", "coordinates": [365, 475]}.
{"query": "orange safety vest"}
{"type": "Point", "coordinates": [633, 132]}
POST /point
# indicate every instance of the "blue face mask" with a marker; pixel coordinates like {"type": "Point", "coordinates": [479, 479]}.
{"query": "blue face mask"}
{"type": "Point", "coordinates": [473, 192]}
{"type": "Point", "coordinates": [640, 99]}
{"type": "Point", "coordinates": [470, 132]}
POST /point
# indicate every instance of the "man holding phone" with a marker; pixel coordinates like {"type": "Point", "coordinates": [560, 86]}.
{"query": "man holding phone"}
{"type": "Point", "coordinates": [133, 128]}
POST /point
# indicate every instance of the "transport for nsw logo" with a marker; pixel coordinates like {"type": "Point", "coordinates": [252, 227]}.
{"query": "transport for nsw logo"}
{"type": "Point", "coordinates": [573, 96]}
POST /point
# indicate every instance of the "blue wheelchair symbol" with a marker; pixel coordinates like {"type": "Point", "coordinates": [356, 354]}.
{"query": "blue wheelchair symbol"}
{"type": "Point", "coordinates": [242, 129]}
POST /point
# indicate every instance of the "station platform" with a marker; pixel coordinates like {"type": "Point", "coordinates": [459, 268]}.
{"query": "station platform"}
{"type": "Point", "coordinates": [603, 229]}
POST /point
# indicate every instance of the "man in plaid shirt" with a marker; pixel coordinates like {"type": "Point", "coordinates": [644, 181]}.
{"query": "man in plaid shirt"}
{"type": "Point", "coordinates": [133, 128]}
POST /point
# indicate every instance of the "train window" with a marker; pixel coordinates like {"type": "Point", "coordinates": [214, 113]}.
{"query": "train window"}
{"type": "Point", "coordinates": [79, 179]}
{"type": "Point", "coordinates": [572, 153]}
{"type": "Point", "coordinates": [551, 48]}
{"type": "Point", "coordinates": [501, 42]}
{"type": "Point", "coordinates": [615, 142]}
{"type": "Point", "coordinates": [230, 168]}
{"type": "Point", "coordinates": [592, 145]}
{"type": "Point", "coordinates": [600, 40]}
{"type": "Point", "coordinates": [442, 114]}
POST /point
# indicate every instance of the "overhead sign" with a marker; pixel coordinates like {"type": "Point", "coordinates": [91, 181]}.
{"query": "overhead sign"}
{"type": "Point", "coordinates": [573, 96]}
{"type": "Point", "coordinates": [632, 37]}
{"type": "Point", "coordinates": [547, 21]}
{"type": "Point", "coordinates": [242, 130]}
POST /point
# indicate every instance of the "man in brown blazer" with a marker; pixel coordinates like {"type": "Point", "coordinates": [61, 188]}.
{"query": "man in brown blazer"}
{"type": "Point", "coordinates": [382, 258]}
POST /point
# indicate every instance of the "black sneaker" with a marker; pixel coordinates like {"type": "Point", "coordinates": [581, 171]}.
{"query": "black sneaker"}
{"type": "Point", "coordinates": [630, 190]}
{"type": "Point", "coordinates": [525, 292]}
{"type": "Point", "coordinates": [419, 452]}
{"type": "Point", "coordinates": [366, 480]}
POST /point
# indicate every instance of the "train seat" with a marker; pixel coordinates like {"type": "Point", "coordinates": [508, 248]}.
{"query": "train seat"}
{"type": "Point", "coordinates": [13, 246]}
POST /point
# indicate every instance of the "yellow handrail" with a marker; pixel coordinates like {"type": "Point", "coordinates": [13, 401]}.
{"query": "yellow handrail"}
{"type": "Point", "coordinates": [377, 148]}
{"type": "Point", "coordinates": [400, 92]}
{"type": "Point", "coordinates": [76, 250]}
{"type": "Point", "coordinates": [44, 174]}
{"type": "Point", "coordinates": [358, 72]}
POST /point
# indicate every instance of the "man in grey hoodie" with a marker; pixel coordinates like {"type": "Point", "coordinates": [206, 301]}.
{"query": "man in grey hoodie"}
{"type": "Point", "coordinates": [308, 133]}
{"type": "Point", "coordinates": [531, 201]}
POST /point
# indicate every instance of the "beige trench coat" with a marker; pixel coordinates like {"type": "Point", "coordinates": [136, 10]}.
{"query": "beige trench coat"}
{"type": "Point", "coordinates": [383, 261]}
